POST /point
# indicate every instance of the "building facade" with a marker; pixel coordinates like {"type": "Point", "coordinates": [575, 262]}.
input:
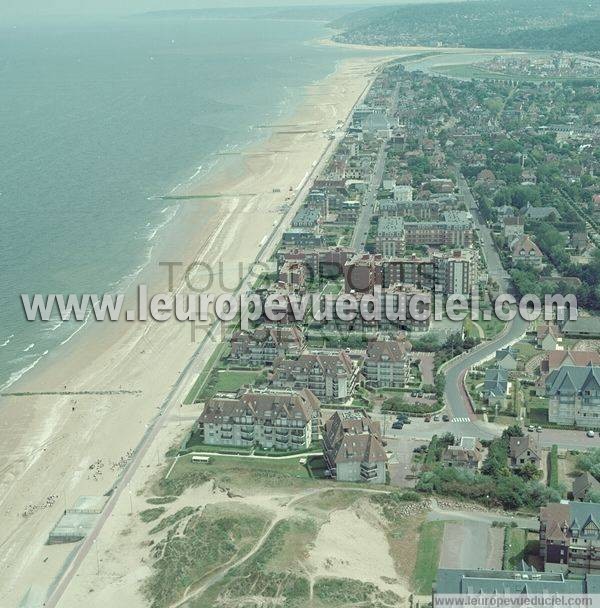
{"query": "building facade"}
{"type": "Point", "coordinates": [574, 396]}
{"type": "Point", "coordinates": [387, 363]}
{"type": "Point", "coordinates": [269, 420]}
{"type": "Point", "coordinates": [570, 537]}
{"type": "Point", "coordinates": [331, 377]}
{"type": "Point", "coordinates": [353, 448]}
{"type": "Point", "coordinates": [261, 346]}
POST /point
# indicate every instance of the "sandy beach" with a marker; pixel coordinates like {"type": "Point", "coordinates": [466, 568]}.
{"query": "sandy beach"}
{"type": "Point", "coordinates": [58, 447]}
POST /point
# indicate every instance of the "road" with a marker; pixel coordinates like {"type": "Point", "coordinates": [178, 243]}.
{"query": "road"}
{"type": "Point", "coordinates": [490, 254]}
{"type": "Point", "coordinates": [363, 224]}
{"type": "Point", "coordinates": [455, 396]}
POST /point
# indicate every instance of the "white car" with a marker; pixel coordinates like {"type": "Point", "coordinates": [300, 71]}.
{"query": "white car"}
{"type": "Point", "coordinates": [591, 433]}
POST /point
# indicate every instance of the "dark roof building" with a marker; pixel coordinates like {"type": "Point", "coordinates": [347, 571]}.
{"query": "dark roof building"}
{"type": "Point", "coordinates": [584, 485]}
{"type": "Point", "coordinates": [353, 448]}
{"type": "Point", "coordinates": [500, 582]}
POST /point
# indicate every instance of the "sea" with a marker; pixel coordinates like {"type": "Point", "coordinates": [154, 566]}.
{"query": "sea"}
{"type": "Point", "coordinates": [98, 120]}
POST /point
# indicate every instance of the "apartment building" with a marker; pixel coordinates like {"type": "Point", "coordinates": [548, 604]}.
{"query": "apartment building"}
{"type": "Point", "coordinates": [387, 363]}
{"type": "Point", "coordinates": [320, 262]}
{"type": "Point", "coordinates": [504, 583]}
{"type": "Point", "coordinates": [454, 272]}
{"type": "Point", "coordinates": [390, 236]}
{"type": "Point", "coordinates": [331, 377]}
{"type": "Point", "coordinates": [261, 346]}
{"type": "Point", "coordinates": [454, 230]}
{"type": "Point", "coordinates": [268, 419]}
{"type": "Point", "coordinates": [353, 448]}
{"type": "Point", "coordinates": [292, 277]}
{"type": "Point", "coordinates": [574, 396]}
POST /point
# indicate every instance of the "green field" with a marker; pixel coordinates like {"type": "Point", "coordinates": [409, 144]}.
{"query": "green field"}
{"type": "Point", "coordinates": [491, 328]}
{"type": "Point", "coordinates": [241, 474]}
{"type": "Point", "coordinates": [232, 380]}
{"type": "Point", "coordinates": [515, 541]}
{"type": "Point", "coordinates": [428, 556]}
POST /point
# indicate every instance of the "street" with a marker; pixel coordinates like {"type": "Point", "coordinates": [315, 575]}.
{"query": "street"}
{"type": "Point", "coordinates": [361, 230]}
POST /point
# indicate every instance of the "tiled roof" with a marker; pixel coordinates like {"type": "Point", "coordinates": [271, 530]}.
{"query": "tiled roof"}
{"type": "Point", "coordinates": [329, 364]}
{"type": "Point", "coordinates": [353, 439]}
{"type": "Point", "coordinates": [261, 406]}
{"type": "Point", "coordinates": [519, 445]}
{"type": "Point", "coordinates": [387, 350]}
{"type": "Point", "coordinates": [556, 358]}
{"type": "Point", "coordinates": [571, 379]}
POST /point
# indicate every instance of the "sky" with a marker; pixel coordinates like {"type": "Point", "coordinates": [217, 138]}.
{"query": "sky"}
{"type": "Point", "coordinates": [43, 8]}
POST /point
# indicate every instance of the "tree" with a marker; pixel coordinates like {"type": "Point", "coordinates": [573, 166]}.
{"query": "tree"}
{"type": "Point", "coordinates": [528, 472]}
{"type": "Point", "coordinates": [513, 431]}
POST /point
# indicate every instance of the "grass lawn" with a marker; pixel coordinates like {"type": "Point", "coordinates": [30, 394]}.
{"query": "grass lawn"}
{"type": "Point", "coordinates": [537, 410]}
{"type": "Point", "coordinates": [514, 548]}
{"type": "Point", "coordinates": [231, 380]}
{"type": "Point", "coordinates": [237, 473]}
{"type": "Point", "coordinates": [526, 351]}
{"type": "Point", "coordinates": [471, 330]}
{"type": "Point", "coordinates": [428, 556]}
{"type": "Point", "coordinates": [218, 353]}
{"type": "Point", "coordinates": [491, 328]}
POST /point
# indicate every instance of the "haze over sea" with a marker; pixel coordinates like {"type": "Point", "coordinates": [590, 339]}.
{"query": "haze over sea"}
{"type": "Point", "coordinates": [97, 119]}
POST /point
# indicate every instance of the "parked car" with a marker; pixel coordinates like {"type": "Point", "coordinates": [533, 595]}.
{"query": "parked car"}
{"type": "Point", "coordinates": [436, 418]}
{"type": "Point", "coordinates": [531, 428]}
{"type": "Point", "coordinates": [397, 425]}
{"type": "Point", "coordinates": [446, 418]}
{"type": "Point", "coordinates": [591, 433]}
{"type": "Point", "coordinates": [427, 418]}
{"type": "Point", "coordinates": [539, 429]}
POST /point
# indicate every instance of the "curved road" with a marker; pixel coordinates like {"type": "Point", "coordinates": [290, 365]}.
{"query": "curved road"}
{"type": "Point", "coordinates": [455, 396]}
{"type": "Point", "coordinates": [457, 401]}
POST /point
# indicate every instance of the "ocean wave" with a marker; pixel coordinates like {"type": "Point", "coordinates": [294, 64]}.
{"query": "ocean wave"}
{"type": "Point", "coordinates": [17, 375]}
{"type": "Point", "coordinates": [28, 348]}
{"type": "Point", "coordinates": [7, 341]}
{"type": "Point", "coordinates": [53, 325]}
{"type": "Point", "coordinates": [76, 331]}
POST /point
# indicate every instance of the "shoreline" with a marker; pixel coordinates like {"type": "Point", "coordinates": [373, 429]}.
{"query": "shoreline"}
{"type": "Point", "coordinates": [224, 159]}
{"type": "Point", "coordinates": [48, 446]}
